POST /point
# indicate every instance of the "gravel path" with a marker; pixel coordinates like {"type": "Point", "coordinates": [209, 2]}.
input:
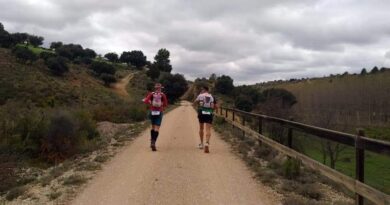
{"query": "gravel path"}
{"type": "Point", "coordinates": [178, 173]}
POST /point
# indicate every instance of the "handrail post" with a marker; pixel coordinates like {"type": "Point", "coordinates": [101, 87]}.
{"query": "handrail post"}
{"type": "Point", "coordinates": [226, 115]}
{"type": "Point", "coordinates": [243, 123]}
{"type": "Point", "coordinates": [290, 135]}
{"type": "Point", "coordinates": [260, 125]}
{"type": "Point", "coordinates": [233, 114]}
{"type": "Point", "coordinates": [359, 169]}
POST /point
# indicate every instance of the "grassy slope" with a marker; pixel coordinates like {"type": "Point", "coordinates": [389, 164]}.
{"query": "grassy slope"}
{"type": "Point", "coordinates": [35, 84]}
{"type": "Point", "coordinates": [346, 95]}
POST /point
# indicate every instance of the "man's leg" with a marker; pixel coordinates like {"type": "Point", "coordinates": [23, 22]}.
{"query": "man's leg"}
{"type": "Point", "coordinates": [208, 135]}
{"type": "Point", "coordinates": [201, 127]}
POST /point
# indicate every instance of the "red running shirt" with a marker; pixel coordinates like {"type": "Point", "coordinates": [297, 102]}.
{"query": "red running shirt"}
{"type": "Point", "coordinates": [157, 100]}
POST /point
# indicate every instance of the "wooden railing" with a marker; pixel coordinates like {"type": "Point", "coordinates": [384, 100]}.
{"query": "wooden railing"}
{"type": "Point", "coordinates": [358, 141]}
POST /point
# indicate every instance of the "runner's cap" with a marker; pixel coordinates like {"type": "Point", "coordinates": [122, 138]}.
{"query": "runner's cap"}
{"type": "Point", "coordinates": [158, 85]}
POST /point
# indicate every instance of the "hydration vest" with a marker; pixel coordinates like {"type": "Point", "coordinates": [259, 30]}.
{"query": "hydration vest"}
{"type": "Point", "coordinates": [157, 99]}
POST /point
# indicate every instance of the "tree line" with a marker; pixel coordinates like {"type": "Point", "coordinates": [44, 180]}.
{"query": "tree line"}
{"type": "Point", "coordinates": [58, 57]}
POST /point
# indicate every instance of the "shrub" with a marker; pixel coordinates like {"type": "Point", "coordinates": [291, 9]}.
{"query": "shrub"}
{"type": "Point", "coordinates": [86, 125]}
{"type": "Point", "coordinates": [74, 180]}
{"type": "Point", "coordinates": [24, 54]}
{"type": "Point", "coordinates": [102, 67]}
{"type": "Point", "coordinates": [46, 55]}
{"type": "Point", "coordinates": [107, 79]}
{"type": "Point", "coordinates": [15, 193]}
{"type": "Point", "coordinates": [30, 128]}
{"type": "Point", "coordinates": [61, 139]}
{"type": "Point", "coordinates": [291, 168]}
{"type": "Point", "coordinates": [57, 65]}
{"type": "Point", "coordinates": [310, 191]}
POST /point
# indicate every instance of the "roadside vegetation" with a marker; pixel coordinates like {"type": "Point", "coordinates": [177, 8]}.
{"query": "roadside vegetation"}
{"type": "Point", "coordinates": [53, 99]}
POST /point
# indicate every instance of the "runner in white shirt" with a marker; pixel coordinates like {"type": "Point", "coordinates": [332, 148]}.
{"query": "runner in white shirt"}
{"type": "Point", "coordinates": [206, 105]}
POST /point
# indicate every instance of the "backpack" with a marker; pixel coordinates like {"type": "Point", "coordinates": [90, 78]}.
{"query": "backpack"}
{"type": "Point", "coordinates": [156, 99]}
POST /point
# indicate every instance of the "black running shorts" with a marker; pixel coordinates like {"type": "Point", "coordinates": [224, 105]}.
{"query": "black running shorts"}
{"type": "Point", "coordinates": [205, 118]}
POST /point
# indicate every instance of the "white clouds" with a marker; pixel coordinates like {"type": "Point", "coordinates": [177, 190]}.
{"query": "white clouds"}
{"type": "Point", "coordinates": [251, 40]}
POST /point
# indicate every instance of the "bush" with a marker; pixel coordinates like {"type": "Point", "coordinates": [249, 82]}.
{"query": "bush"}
{"type": "Point", "coordinates": [86, 125]}
{"type": "Point", "coordinates": [107, 79]}
{"type": "Point", "coordinates": [310, 191]}
{"type": "Point", "coordinates": [74, 180]}
{"type": "Point", "coordinates": [291, 168]}
{"type": "Point", "coordinates": [24, 54]}
{"type": "Point", "coordinates": [102, 67]}
{"type": "Point", "coordinates": [61, 140]}
{"type": "Point", "coordinates": [46, 55]}
{"type": "Point", "coordinates": [15, 193]}
{"type": "Point", "coordinates": [57, 65]}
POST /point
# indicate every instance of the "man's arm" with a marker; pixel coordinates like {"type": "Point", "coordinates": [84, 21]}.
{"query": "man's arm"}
{"type": "Point", "coordinates": [148, 99]}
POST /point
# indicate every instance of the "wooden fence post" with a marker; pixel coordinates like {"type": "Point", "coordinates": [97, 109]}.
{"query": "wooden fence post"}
{"type": "Point", "coordinates": [359, 169]}
{"type": "Point", "coordinates": [260, 125]}
{"type": "Point", "coordinates": [226, 115]}
{"type": "Point", "coordinates": [243, 123]}
{"type": "Point", "coordinates": [290, 135]}
{"type": "Point", "coordinates": [233, 115]}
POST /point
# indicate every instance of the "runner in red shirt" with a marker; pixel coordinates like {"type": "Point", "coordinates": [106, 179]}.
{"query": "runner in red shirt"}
{"type": "Point", "coordinates": [158, 102]}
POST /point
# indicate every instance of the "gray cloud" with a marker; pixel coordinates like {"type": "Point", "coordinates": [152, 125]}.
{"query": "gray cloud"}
{"type": "Point", "coordinates": [251, 40]}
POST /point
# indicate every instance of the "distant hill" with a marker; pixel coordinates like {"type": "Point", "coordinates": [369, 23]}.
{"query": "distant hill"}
{"type": "Point", "coordinates": [344, 102]}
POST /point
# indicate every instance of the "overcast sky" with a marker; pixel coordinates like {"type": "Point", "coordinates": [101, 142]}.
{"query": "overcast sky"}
{"type": "Point", "coordinates": [250, 40]}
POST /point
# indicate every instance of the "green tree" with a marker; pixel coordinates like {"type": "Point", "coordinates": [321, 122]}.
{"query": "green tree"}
{"type": "Point", "coordinates": [161, 60]}
{"type": "Point", "coordinates": [5, 38]}
{"type": "Point", "coordinates": [137, 59]}
{"type": "Point", "coordinates": [174, 86]}
{"type": "Point", "coordinates": [363, 72]}
{"type": "Point", "coordinates": [89, 53]}
{"type": "Point", "coordinates": [57, 65]}
{"type": "Point", "coordinates": [19, 37]}
{"type": "Point", "coordinates": [224, 85]}
{"type": "Point", "coordinates": [374, 70]}
{"type": "Point", "coordinates": [112, 57]}
{"type": "Point", "coordinates": [153, 73]}
{"type": "Point", "coordinates": [125, 57]}
{"type": "Point", "coordinates": [35, 40]}
{"type": "Point", "coordinates": [55, 45]}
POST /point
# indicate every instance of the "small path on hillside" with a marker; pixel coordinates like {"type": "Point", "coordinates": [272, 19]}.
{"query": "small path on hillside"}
{"type": "Point", "coordinates": [178, 173]}
{"type": "Point", "coordinates": [120, 86]}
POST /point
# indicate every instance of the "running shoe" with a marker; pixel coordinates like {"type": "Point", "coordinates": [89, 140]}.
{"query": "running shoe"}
{"type": "Point", "coordinates": [153, 146]}
{"type": "Point", "coordinates": [200, 146]}
{"type": "Point", "coordinates": [206, 148]}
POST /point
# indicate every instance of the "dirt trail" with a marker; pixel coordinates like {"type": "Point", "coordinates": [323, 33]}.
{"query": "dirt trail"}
{"type": "Point", "coordinates": [120, 86]}
{"type": "Point", "coordinates": [178, 173]}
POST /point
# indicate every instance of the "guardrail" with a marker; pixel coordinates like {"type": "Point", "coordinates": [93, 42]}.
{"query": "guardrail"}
{"type": "Point", "coordinates": [358, 141]}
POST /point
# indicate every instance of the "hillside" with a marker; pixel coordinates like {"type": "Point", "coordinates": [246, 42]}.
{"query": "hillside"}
{"type": "Point", "coordinates": [342, 102]}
